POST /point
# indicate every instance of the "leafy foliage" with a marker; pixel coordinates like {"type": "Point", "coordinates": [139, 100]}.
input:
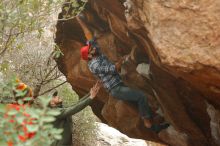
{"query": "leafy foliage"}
{"type": "Point", "coordinates": [20, 17]}
{"type": "Point", "coordinates": [73, 7]}
{"type": "Point", "coordinates": [25, 49]}
{"type": "Point", "coordinates": [34, 119]}
{"type": "Point", "coordinates": [57, 52]}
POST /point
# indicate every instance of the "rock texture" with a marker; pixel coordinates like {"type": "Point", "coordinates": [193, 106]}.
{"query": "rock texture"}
{"type": "Point", "coordinates": [174, 49]}
{"type": "Point", "coordinates": [108, 136]}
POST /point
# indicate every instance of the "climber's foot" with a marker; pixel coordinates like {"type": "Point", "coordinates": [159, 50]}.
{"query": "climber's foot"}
{"type": "Point", "coordinates": [158, 128]}
{"type": "Point", "coordinates": [158, 119]}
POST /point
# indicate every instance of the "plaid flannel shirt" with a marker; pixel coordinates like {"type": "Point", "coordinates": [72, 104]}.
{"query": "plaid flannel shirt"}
{"type": "Point", "coordinates": [105, 71]}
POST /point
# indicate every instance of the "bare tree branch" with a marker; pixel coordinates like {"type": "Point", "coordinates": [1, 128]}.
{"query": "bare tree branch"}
{"type": "Point", "coordinates": [6, 43]}
{"type": "Point", "coordinates": [52, 88]}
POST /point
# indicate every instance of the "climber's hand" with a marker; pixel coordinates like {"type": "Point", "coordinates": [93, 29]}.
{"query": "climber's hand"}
{"type": "Point", "coordinates": [81, 16]}
{"type": "Point", "coordinates": [94, 90]}
{"type": "Point", "coordinates": [123, 60]}
{"type": "Point", "coordinates": [118, 66]}
{"type": "Point", "coordinates": [126, 58]}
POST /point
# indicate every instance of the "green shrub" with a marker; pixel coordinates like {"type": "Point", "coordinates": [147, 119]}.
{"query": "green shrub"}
{"type": "Point", "coordinates": [12, 120]}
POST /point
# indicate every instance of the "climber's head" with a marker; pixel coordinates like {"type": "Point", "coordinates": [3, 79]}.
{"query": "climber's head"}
{"type": "Point", "coordinates": [85, 52]}
{"type": "Point", "coordinates": [56, 101]}
{"type": "Point", "coordinates": [88, 52]}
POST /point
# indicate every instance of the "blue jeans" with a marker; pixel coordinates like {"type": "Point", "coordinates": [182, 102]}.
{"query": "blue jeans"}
{"type": "Point", "coordinates": [123, 92]}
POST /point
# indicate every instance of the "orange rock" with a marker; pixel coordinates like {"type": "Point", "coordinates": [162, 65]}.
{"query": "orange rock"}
{"type": "Point", "coordinates": [181, 40]}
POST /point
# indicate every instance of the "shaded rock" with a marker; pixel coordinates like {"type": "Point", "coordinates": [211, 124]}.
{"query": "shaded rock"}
{"type": "Point", "coordinates": [214, 123]}
{"type": "Point", "coordinates": [174, 137]}
{"type": "Point", "coordinates": [143, 69]}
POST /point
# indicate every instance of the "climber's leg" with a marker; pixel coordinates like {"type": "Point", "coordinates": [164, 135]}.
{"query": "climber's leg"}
{"type": "Point", "coordinates": [125, 93]}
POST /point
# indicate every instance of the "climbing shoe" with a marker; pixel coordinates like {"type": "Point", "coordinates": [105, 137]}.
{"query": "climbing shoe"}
{"type": "Point", "coordinates": [158, 128]}
{"type": "Point", "coordinates": [158, 119]}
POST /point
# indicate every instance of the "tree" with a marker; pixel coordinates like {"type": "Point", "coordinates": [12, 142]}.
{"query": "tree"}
{"type": "Point", "coordinates": [27, 39]}
{"type": "Point", "coordinates": [20, 17]}
{"type": "Point", "coordinates": [25, 49]}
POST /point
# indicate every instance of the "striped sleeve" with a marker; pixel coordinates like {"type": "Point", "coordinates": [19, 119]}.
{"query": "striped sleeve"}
{"type": "Point", "coordinates": [97, 68]}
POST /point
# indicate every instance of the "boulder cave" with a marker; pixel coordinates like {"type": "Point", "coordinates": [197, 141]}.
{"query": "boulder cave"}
{"type": "Point", "coordinates": [174, 49]}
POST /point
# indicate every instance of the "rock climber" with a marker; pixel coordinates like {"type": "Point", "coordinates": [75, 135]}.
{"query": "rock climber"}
{"type": "Point", "coordinates": [107, 73]}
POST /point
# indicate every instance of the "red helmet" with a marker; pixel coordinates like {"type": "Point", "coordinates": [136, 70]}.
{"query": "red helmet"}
{"type": "Point", "coordinates": [84, 52]}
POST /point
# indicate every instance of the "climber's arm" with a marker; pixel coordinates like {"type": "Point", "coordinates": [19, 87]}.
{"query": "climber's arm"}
{"type": "Point", "coordinates": [81, 104]}
{"type": "Point", "coordinates": [74, 108]}
{"type": "Point", "coordinates": [88, 34]}
{"type": "Point", "coordinates": [121, 61]}
{"type": "Point", "coordinates": [83, 98]}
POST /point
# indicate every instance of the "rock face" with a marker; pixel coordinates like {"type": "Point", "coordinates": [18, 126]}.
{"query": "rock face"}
{"type": "Point", "coordinates": [174, 49]}
{"type": "Point", "coordinates": [108, 136]}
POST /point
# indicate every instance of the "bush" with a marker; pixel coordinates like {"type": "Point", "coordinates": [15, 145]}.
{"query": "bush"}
{"type": "Point", "coordinates": [17, 124]}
